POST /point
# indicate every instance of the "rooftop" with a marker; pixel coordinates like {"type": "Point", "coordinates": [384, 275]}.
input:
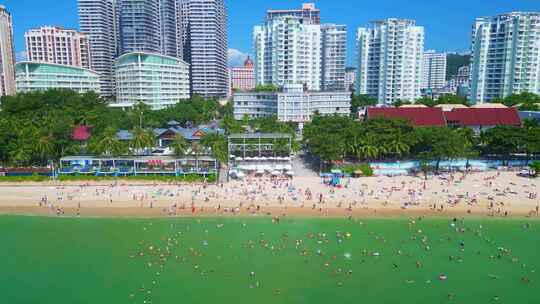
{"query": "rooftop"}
{"type": "Point", "coordinates": [418, 116]}
{"type": "Point", "coordinates": [484, 117]}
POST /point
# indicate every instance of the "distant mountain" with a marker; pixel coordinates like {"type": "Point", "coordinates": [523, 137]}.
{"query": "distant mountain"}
{"type": "Point", "coordinates": [454, 62]}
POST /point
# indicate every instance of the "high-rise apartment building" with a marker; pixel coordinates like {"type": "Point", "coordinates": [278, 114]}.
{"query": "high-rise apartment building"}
{"type": "Point", "coordinates": [292, 48]}
{"type": "Point", "coordinates": [334, 55]}
{"type": "Point", "coordinates": [204, 34]}
{"type": "Point", "coordinates": [148, 26]}
{"type": "Point", "coordinates": [169, 28]}
{"type": "Point", "coordinates": [243, 78]}
{"type": "Point", "coordinates": [434, 70]}
{"type": "Point", "coordinates": [288, 52]}
{"type": "Point", "coordinates": [390, 55]}
{"type": "Point", "coordinates": [7, 55]}
{"type": "Point", "coordinates": [50, 44]}
{"type": "Point", "coordinates": [308, 13]}
{"type": "Point", "coordinates": [139, 26]}
{"type": "Point", "coordinates": [505, 56]}
{"type": "Point", "coordinates": [97, 20]}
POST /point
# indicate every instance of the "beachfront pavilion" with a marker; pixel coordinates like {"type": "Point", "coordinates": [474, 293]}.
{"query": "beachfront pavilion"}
{"type": "Point", "coordinates": [260, 153]}
{"type": "Point", "coordinates": [137, 166]}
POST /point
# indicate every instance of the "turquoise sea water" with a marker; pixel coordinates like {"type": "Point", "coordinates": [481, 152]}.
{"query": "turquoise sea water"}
{"type": "Point", "coordinates": [248, 260]}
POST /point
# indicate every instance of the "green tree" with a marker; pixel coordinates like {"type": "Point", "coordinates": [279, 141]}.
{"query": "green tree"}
{"type": "Point", "coordinates": [108, 143]}
{"type": "Point", "coordinates": [502, 141]}
{"type": "Point", "coordinates": [266, 88]}
{"type": "Point", "coordinates": [138, 112]}
{"type": "Point", "coordinates": [437, 144]}
{"type": "Point", "coordinates": [524, 98]}
{"type": "Point", "coordinates": [324, 136]}
{"type": "Point", "coordinates": [179, 145]}
{"type": "Point", "coordinates": [142, 139]}
{"type": "Point", "coordinates": [535, 168]}
{"type": "Point", "coordinates": [196, 149]}
{"type": "Point", "coordinates": [359, 101]}
{"type": "Point", "coordinates": [452, 99]}
{"type": "Point", "coordinates": [217, 144]}
{"type": "Point", "coordinates": [45, 146]}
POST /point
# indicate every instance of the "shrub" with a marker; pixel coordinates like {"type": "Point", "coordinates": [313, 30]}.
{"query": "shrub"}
{"type": "Point", "coordinates": [24, 178]}
{"type": "Point", "coordinates": [535, 167]}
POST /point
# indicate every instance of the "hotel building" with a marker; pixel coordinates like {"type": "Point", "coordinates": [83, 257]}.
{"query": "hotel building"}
{"type": "Point", "coordinates": [36, 76]}
{"type": "Point", "coordinates": [156, 80]}
{"type": "Point", "coordinates": [292, 104]}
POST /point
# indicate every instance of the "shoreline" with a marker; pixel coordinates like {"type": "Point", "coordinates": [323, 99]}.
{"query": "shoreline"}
{"type": "Point", "coordinates": [270, 213]}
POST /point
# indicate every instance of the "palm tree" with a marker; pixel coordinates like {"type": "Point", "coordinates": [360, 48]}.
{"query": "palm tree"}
{"type": "Point", "coordinates": [367, 148]}
{"type": "Point", "coordinates": [368, 151]}
{"type": "Point", "coordinates": [196, 149]}
{"type": "Point", "coordinates": [398, 147]}
{"type": "Point", "coordinates": [108, 144]}
{"type": "Point", "coordinates": [217, 144]}
{"type": "Point", "coordinates": [179, 145]}
{"type": "Point", "coordinates": [138, 110]}
{"type": "Point", "coordinates": [45, 146]}
{"type": "Point", "coordinates": [142, 139]}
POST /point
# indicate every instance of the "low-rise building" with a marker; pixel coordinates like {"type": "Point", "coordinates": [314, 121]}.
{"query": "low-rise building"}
{"type": "Point", "coordinates": [478, 119]}
{"type": "Point", "coordinates": [156, 80]}
{"type": "Point", "coordinates": [292, 104]}
{"type": "Point", "coordinates": [34, 76]}
{"type": "Point", "coordinates": [165, 136]}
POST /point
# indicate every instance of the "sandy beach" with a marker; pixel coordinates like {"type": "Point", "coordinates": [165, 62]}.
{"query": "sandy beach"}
{"type": "Point", "coordinates": [498, 194]}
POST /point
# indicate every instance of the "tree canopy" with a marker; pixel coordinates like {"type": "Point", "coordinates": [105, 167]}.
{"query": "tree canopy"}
{"type": "Point", "coordinates": [334, 138]}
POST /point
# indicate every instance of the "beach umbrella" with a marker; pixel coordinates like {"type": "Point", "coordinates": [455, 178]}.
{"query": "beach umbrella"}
{"type": "Point", "coordinates": [276, 173]}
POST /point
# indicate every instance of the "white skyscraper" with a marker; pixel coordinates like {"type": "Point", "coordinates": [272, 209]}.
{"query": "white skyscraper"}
{"type": "Point", "coordinates": [334, 55]}
{"type": "Point", "coordinates": [97, 20]}
{"type": "Point", "coordinates": [434, 73]}
{"type": "Point", "coordinates": [287, 51]}
{"type": "Point", "coordinates": [50, 44]}
{"type": "Point", "coordinates": [293, 48]}
{"type": "Point", "coordinates": [390, 55]}
{"type": "Point", "coordinates": [7, 55]}
{"type": "Point", "coordinates": [505, 56]}
{"type": "Point", "coordinates": [204, 34]}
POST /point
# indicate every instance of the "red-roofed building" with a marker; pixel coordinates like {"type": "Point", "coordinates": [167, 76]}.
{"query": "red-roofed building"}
{"type": "Point", "coordinates": [478, 119]}
{"type": "Point", "coordinates": [481, 119]}
{"type": "Point", "coordinates": [419, 117]}
{"type": "Point", "coordinates": [81, 133]}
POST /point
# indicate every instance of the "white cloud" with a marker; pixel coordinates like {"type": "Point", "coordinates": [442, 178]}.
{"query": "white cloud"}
{"type": "Point", "coordinates": [20, 56]}
{"type": "Point", "coordinates": [236, 57]}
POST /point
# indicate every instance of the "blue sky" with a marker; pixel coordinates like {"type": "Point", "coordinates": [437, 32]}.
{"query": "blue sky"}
{"type": "Point", "coordinates": [447, 23]}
